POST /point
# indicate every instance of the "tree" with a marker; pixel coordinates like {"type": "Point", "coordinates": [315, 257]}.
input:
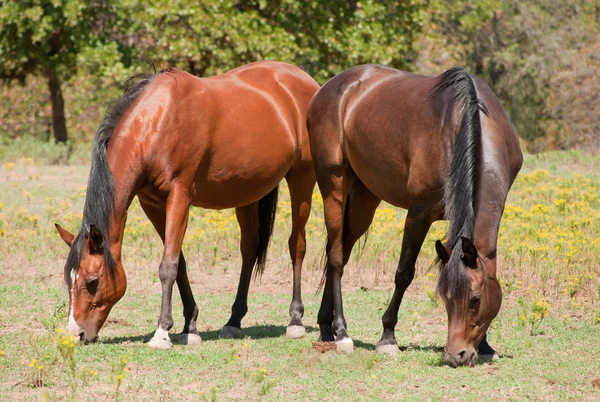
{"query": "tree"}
{"type": "Point", "coordinates": [535, 55]}
{"type": "Point", "coordinates": [45, 37]}
{"type": "Point", "coordinates": [323, 37]}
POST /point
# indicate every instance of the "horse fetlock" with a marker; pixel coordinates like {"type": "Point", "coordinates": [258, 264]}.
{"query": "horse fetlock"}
{"type": "Point", "coordinates": [326, 333]}
{"type": "Point", "coordinates": [296, 309]}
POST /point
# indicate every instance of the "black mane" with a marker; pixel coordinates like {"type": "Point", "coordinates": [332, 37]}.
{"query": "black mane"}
{"type": "Point", "coordinates": [460, 186]}
{"type": "Point", "coordinates": [100, 198]}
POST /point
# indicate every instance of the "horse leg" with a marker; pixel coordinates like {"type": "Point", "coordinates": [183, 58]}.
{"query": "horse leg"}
{"type": "Point", "coordinates": [177, 213]}
{"type": "Point", "coordinates": [331, 315]}
{"type": "Point", "coordinates": [360, 210]}
{"type": "Point", "coordinates": [301, 184]}
{"type": "Point", "coordinates": [247, 217]}
{"type": "Point", "coordinates": [486, 352]}
{"type": "Point", "coordinates": [189, 335]}
{"type": "Point", "coordinates": [362, 204]}
{"type": "Point", "coordinates": [415, 229]}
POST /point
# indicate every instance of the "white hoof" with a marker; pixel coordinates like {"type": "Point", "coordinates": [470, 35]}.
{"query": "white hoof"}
{"type": "Point", "coordinates": [160, 343]}
{"type": "Point", "coordinates": [344, 345]}
{"type": "Point", "coordinates": [295, 331]}
{"type": "Point", "coordinates": [189, 339]}
{"type": "Point", "coordinates": [229, 332]}
{"type": "Point", "coordinates": [388, 349]}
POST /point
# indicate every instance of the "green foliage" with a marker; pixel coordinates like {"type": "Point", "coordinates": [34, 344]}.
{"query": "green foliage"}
{"type": "Point", "coordinates": [535, 55]}
{"type": "Point", "coordinates": [41, 35]}
{"type": "Point", "coordinates": [324, 38]}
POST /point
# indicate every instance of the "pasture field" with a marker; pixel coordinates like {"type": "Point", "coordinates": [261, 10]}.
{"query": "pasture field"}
{"type": "Point", "coordinates": [547, 333]}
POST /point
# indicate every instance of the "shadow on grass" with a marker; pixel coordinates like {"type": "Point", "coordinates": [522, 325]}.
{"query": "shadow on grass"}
{"type": "Point", "coordinates": [417, 348]}
{"type": "Point", "coordinates": [255, 332]}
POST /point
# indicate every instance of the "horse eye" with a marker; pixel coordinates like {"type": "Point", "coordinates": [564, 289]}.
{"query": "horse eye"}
{"type": "Point", "coordinates": [475, 300]}
{"type": "Point", "coordinates": [91, 283]}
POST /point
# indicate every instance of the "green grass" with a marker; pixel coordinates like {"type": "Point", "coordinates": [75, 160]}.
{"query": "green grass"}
{"type": "Point", "coordinates": [558, 362]}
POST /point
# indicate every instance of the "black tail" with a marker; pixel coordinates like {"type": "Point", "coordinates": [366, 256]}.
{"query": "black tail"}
{"type": "Point", "coordinates": [267, 206]}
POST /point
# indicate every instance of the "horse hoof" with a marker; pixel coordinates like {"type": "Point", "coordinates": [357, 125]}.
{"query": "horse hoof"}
{"type": "Point", "coordinates": [489, 358]}
{"type": "Point", "coordinates": [388, 349]}
{"type": "Point", "coordinates": [344, 345]}
{"type": "Point", "coordinates": [229, 332]}
{"type": "Point", "coordinates": [160, 343]}
{"type": "Point", "coordinates": [186, 338]}
{"type": "Point", "coordinates": [295, 331]}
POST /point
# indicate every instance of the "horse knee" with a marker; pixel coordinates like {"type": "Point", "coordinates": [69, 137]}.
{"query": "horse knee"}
{"type": "Point", "coordinates": [404, 276]}
{"type": "Point", "coordinates": [167, 272]}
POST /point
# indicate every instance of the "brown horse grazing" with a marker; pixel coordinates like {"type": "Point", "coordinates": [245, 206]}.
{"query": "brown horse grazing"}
{"type": "Point", "coordinates": [440, 147]}
{"type": "Point", "coordinates": [176, 140]}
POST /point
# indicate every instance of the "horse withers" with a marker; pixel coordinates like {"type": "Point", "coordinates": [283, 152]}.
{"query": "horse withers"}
{"type": "Point", "coordinates": [176, 140]}
{"type": "Point", "coordinates": [440, 147]}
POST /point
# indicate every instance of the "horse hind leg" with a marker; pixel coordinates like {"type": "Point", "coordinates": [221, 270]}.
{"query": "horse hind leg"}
{"type": "Point", "coordinates": [360, 208]}
{"type": "Point", "coordinates": [362, 205]}
{"type": "Point", "coordinates": [247, 217]}
{"type": "Point", "coordinates": [334, 185]}
{"type": "Point", "coordinates": [301, 184]}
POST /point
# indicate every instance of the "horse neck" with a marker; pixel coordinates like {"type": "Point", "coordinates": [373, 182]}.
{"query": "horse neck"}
{"type": "Point", "coordinates": [490, 196]}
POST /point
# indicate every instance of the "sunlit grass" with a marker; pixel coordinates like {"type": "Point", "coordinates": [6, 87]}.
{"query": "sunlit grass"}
{"type": "Point", "coordinates": [548, 259]}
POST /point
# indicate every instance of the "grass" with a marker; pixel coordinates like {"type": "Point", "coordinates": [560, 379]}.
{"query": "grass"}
{"type": "Point", "coordinates": [548, 264]}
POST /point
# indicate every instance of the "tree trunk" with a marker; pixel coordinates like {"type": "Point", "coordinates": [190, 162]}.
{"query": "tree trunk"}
{"type": "Point", "coordinates": [59, 125]}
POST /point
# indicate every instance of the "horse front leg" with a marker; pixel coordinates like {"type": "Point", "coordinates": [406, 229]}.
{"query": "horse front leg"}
{"type": "Point", "coordinates": [189, 335]}
{"type": "Point", "coordinates": [177, 212]}
{"type": "Point", "coordinates": [415, 230]}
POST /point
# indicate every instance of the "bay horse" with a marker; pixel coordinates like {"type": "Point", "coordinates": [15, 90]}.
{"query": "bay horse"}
{"type": "Point", "coordinates": [176, 140]}
{"type": "Point", "coordinates": [440, 147]}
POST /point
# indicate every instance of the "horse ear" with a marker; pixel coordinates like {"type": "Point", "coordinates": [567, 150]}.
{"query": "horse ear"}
{"type": "Point", "coordinates": [469, 252]}
{"type": "Point", "coordinates": [65, 235]}
{"type": "Point", "coordinates": [442, 251]}
{"type": "Point", "coordinates": [96, 246]}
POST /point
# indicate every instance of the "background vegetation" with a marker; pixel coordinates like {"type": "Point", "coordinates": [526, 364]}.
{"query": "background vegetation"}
{"type": "Point", "coordinates": [547, 331]}
{"type": "Point", "coordinates": [61, 61]}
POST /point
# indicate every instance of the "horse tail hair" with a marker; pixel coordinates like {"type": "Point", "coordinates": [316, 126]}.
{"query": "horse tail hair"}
{"type": "Point", "coordinates": [267, 207]}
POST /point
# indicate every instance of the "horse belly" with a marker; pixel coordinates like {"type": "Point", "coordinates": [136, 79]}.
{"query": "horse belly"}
{"type": "Point", "coordinates": [239, 177]}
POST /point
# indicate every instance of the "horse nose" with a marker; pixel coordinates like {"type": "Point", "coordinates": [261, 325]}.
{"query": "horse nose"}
{"type": "Point", "coordinates": [467, 357]}
{"type": "Point", "coordinates": [464, 357]}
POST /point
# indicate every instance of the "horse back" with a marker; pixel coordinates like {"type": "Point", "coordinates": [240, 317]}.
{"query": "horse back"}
{"type": "Point", "coordinates": [229, 139]}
